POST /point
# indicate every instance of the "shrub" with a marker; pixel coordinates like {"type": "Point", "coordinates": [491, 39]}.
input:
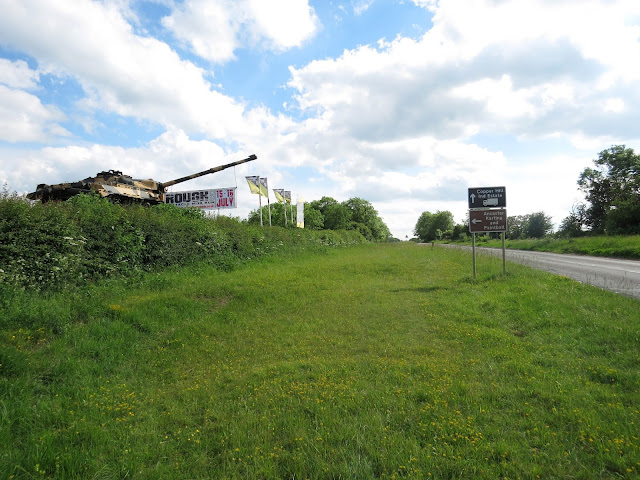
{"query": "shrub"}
{"type": "Point", "coordinates": [55, 245]}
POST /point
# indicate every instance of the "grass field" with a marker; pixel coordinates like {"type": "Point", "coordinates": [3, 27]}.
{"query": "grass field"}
{"type": "Point", "coordinates": [377, 361]}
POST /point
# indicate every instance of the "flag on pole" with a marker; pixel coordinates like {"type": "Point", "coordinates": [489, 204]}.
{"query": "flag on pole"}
{"type": "Point", "coordinates": [279, 193]}
{"type": "Point", "coordinates": [253, 184]}
{"type": "Point", "coordinates": [264, 189]}
{"type": "Point", "coordinates": [287, 198]}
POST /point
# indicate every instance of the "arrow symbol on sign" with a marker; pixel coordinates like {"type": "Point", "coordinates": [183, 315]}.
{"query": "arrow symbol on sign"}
{"type": "Point", "coordinates": [473, 198]}
{"type": "Point", "coordinates": [475, 220]}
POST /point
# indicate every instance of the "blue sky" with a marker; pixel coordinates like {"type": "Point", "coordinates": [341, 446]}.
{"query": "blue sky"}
{"type": "Point", "coordinates": [403, 103]}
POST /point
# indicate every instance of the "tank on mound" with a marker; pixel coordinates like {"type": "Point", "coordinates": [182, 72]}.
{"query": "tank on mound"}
{"type": "Point", "coordinates": [118, 187]}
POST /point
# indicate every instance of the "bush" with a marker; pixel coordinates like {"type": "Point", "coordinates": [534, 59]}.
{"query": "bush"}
{"type": "Point", "coordinates": [55, 245]}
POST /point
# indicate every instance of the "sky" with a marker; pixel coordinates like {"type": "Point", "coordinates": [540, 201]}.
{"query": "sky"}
{"type": "Point", "coordinates": [404, 103]}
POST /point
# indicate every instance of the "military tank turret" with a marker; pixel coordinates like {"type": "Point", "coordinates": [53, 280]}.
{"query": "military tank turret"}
{"type": "Point", "coordinates": [116, 186]}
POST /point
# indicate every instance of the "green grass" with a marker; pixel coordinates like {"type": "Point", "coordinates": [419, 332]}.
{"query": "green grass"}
{"type": "Point", "coordinates": [603, 246]}
{"type": "Point", "coordinates": [377, 361]}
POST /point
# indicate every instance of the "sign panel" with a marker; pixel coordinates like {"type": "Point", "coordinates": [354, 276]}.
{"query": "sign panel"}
{"type": "Point", "coordinates": [216, 198]}
{"type": "Point", "coordinates": [485, 221]}
{"type": "Point", "coordinates": [487, 197]}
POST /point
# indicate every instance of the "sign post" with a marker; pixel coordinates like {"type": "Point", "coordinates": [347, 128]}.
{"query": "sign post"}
{"type": "Point", "coordinates": [487, 214]}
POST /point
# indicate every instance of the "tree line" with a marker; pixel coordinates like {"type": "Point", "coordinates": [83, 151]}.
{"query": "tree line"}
{"type": "Point", "coordinates": [329, 214]}
{"type": "Point", "coordinates": [611, 206]}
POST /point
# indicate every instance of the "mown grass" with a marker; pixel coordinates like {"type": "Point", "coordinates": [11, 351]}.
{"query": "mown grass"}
{"type": "Point", "coordinates": [603, 246]}
{"type": "Point", "coordinates": [376, 361]}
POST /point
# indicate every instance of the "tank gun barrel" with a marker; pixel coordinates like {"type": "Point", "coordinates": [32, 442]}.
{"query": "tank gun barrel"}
{"type": "Point", "coordinates": [206, 172]}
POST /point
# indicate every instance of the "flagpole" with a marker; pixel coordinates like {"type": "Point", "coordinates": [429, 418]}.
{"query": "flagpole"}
{"type": "Point", "coordinates": [268, 201]}
{"type": "Point", "coordinates": [260, 200]}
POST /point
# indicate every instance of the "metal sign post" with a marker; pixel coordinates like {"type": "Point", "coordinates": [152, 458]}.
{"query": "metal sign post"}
{"type": "Point", "coordinates": [486, 215]}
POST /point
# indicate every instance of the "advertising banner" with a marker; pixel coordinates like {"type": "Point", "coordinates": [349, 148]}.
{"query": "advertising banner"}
{"type": "Point", "coordinates": [215, 198]}
{"type": "Point", "coordinates": [300, 213]}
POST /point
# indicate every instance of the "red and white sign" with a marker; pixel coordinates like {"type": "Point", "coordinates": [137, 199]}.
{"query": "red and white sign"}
{"type": "Point", "coordinates": [217, 198]}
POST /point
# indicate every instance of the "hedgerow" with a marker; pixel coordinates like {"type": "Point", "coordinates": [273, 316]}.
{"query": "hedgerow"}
{"type": "Point", "coordinates": [58, 245]}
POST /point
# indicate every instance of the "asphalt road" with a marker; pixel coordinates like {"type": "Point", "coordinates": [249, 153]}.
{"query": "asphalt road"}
{"type": "Point", "coordinates": [620, 276]}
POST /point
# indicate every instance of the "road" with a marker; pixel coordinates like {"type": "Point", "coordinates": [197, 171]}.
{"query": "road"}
{"type": "Point", "coordinates": [620, 276]}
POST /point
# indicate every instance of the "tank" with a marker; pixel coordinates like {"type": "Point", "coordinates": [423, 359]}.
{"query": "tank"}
{"type": "Point", "coordinates": [118, 187]}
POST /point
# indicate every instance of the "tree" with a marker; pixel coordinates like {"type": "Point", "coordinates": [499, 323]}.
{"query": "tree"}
{"type": "Point", "coordinates": [277, 215]}
{"type": "Point", "coordinates": [428, 224]}
{"type": "Point", "coordinates": [571, 226]}
{"type": "Point", "coordinates": [538, 225]}
{"type": "Point", "coordinates": [336, 216]}
{"type": "Point", "coordinates": [516, 227]}
{"type": "Point", "coordinates": [362, 212]}
{"type": "Point", "coordinates": [313, 218]}
{"type": "Point", "coordinates": [612, 192]}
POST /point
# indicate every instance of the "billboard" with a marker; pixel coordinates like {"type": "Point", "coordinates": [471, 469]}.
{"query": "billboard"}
{"type": "Point", "coordinates": [215, 198]}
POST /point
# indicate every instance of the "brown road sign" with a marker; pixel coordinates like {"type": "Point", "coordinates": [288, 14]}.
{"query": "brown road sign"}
{"type": "Point", "coordinates": [487, 197]}
{"type": "Point", "coordinates": [484, 221]}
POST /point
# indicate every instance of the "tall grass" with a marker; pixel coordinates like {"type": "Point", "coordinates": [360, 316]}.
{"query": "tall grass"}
{"type": "Point", "coordinates": [377, 361]}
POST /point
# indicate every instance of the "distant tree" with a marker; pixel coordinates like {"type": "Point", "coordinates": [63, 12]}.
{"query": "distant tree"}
{"type": "Point", "coordinates": [428, 224]}
{"type": "Point", "coordinates": [277, 215]}
{"type": "Point", "coordinates": [353, 214]}
{"type": "Point", "coordinates": [538, 225]}
{"type": "Point", "coordinates": [612, 192]}
{"type": "Point", "coordinates": [571, 226]}
{"type": "Point", "coordinates": [516, 227]}
{"type": "Point", "coordinates": [313, 218]}
{"type": "Point", "coordinates": [362, 212]}
{"type": "Point", "coordinates": [336, 217]}
{"type": "Point", "coordinates": [532, 225]}
{"type": "Point", "coordinates": [459, 232]}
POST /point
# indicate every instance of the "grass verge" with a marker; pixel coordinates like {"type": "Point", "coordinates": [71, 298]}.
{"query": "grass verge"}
{"type": "Point", "coordinates": [377, 361]}
{"type": "Point", "coordinates": [602, 246]}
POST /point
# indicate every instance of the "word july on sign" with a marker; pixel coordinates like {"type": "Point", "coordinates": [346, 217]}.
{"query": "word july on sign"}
{"type": "Point", "coordinates": [216, 198]}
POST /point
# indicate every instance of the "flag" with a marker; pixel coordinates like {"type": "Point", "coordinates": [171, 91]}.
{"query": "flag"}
{"type": "Point", "coordinates": [253, 185]}
{"type": "Point", "coordinates": [264, 189]}
{"type": "Point", "coordinates": [287, 196]}
{"type": "Point", "coordinates": [279, 192]}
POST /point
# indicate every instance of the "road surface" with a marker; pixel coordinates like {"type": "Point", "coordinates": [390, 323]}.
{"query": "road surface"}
{"type": "Point", "coordinates": [620, 276]}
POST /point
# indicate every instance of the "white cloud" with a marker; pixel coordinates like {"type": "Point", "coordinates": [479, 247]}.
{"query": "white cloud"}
{"type": "Point", "coordinates": [23, 118]}
{"type": "Point", "coordinates": [214, 30]}
{"type": "Point", "coordinates": [17, 74]}
{"type": "Point", "coordinates": [121, 72]}
{"type": "Point", "coordinates": [528, 68]}
{"type": "Point", "coordinates": [361, 6]}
